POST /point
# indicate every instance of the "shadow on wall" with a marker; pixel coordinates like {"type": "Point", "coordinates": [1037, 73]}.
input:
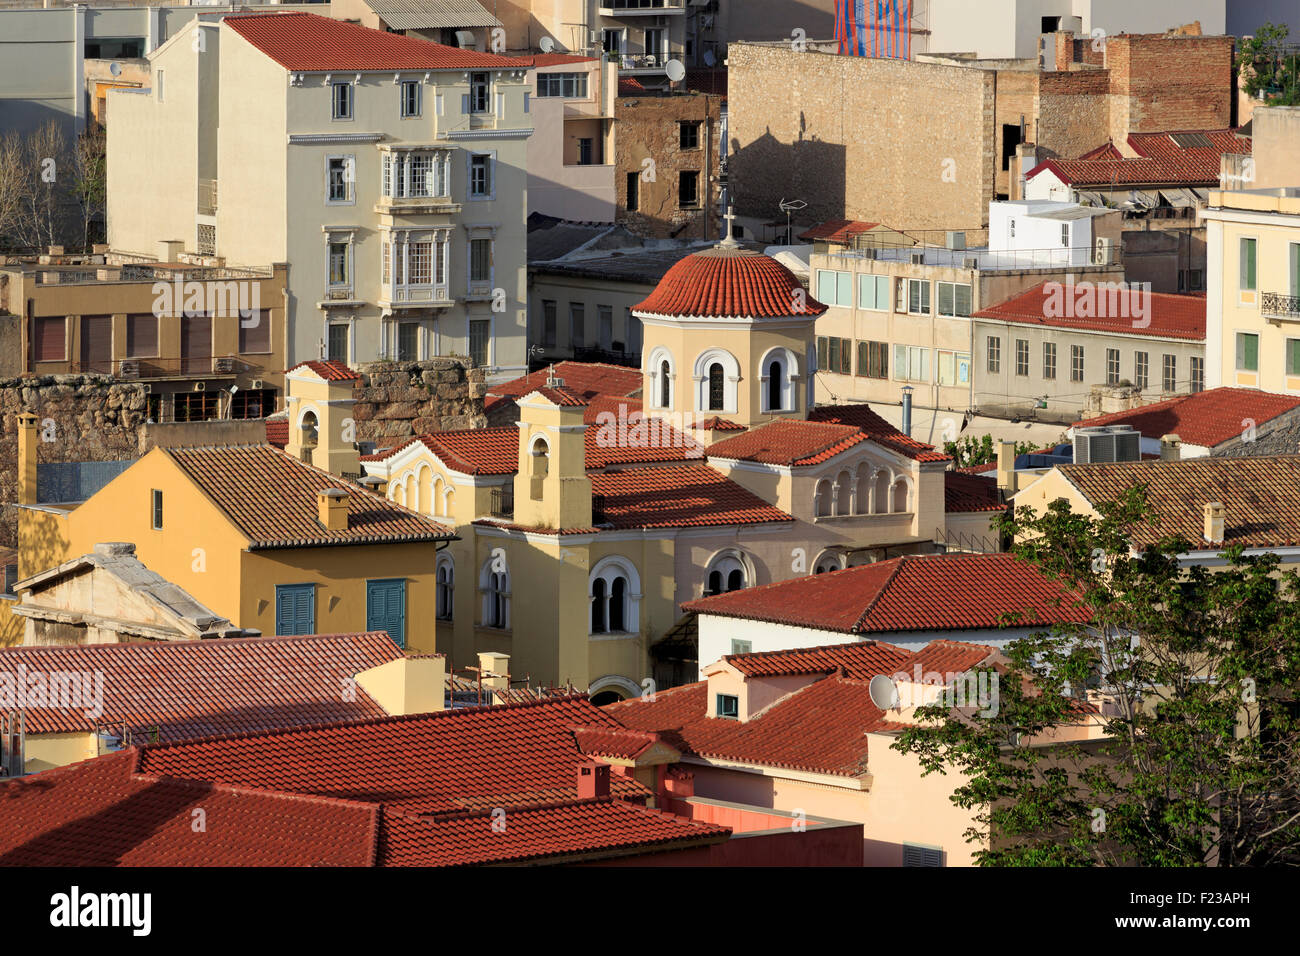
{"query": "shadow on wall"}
{"type": "Point", "coordinates": [808, 169]}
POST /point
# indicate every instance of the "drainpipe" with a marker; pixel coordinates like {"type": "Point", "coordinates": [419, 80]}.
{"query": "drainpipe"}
{"type": "Point", "coordinates": [907, 410]}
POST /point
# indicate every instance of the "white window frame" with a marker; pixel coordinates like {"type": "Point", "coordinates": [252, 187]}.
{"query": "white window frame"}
{"type": "Point", "coordinates": [349, 181]}
{"type": "Point", "coordinates": [790, 375]}
{"type": "Point", "coordinates": [607, 569]}
{"type": "Point", "coordinates": [402, 87]}
{"type": "Point", "coordinates": [730, 381]}
{"type": "Point", "coordinates": [876, 282]}
{"type": "Point", "coordinates": [655, 370]}
{"type": "Point", "coordinates": [344, 238]}
{"type": "Point", "coordinates": [445, 610]}
{"type": "Point", "coordinates": [491, 194]}
{"type": "Point", "coordinates": [488, 591]}
{"type": "Point", "coordinates": [335, 115]}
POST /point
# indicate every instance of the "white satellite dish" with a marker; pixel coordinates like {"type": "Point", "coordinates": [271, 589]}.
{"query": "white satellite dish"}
{"type": "Point", "coordinates": [115, 69]}
{"type": "Point", "coordinates": [676, 72]}
{"type": "Point", "coordinates": [883, 691]}
{"type": "Point", "coordinates": [547, 44]}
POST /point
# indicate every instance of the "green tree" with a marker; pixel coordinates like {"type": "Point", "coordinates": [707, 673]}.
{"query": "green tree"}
{"type": "Point", "coordinates": [1270, 68]}
{"type": "Point", "coordinates": [969, 450]}
{"type": "Point", "coordinates": [1198, 670]}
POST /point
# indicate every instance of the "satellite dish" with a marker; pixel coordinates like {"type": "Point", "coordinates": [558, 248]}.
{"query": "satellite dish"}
{"type": "Point", "coordinates": [883, 691]}
{"type": "Point", "coordinates": [547, 44]}
{"type": "Point", "coordinates": [115, 69]}
{"type": "Point", "coordinates": [676, 72]}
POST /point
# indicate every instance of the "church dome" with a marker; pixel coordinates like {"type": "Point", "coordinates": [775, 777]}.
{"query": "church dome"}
{"type": "Point", "coordinates": [731, 282]}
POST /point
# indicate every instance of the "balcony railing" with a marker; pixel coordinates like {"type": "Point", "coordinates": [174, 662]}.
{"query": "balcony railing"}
{"type": "Point", "coordinates": [622, 8]}
{"type": "Point", "coordinates": [1281, 306]}
{"type": "Point", "coordinates": [415, 295]}
{"type": "Point", "coordinates": [503, 502]}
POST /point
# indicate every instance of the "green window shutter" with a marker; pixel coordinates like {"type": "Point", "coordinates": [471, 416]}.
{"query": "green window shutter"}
{"type": "Point", "coordinates": [1293, 356]}
{"type": "Point", "coordinates": [863, 360]}
{"type": "Point", "coordinates": [962, 295]}
{"type": "Point", "coordinates": [1295, 268]}
{"type": "Point", "coordinates": [1248, 252]}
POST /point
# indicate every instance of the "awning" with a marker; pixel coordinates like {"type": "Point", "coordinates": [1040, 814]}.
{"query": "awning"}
{"type": "Point", "coordinates": [432, 14]}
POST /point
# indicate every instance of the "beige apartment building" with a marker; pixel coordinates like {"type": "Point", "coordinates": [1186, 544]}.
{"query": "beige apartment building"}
{"type": "Point", "coordinates": [571, 154]}
{"type": "Point", "coordinates": [901, 304]}
{"type": "Point", "coordinates": [389, 173]}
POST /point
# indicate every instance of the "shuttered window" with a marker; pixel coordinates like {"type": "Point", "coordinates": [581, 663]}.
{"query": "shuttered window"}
{"type": "Point", "coordinates": [917, 855]}
{"type": "Point", "coordinates": [141, 336]}
{"type": "Point", "coordinates": [295, 609]}
{"type": "Point", "coordinates": [255, 333]}
{"type": "Point", "coordinates": [386, 608]}
{"type": "Point", "coordinates": [97, 343]}
{"type": "Point", "coordinates": [50, 339]}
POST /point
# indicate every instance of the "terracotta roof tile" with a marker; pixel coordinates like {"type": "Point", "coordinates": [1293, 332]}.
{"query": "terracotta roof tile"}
{"type": "Point", "coordinates": [828, 432]}
{"type": "Point", "coordinates": [919, 593]}
{"type": "Point", "coordinates": [877, 429]}
{"type": "Point", "coordinates": [1160, 161]}
{"type": "Point", "coordinates": [331, 371]}
{"type": "Point", "coordinates": [613, 741]}
{"type": "Point", "coordinates": [277, 432]}
{"type": "Point", "coordinates": [1207, 418]}
{"type": "Point", "coordinates": [1171, 316]}
{"type": "Point", "coordinates": [678, 497]}
{"type": "Point", "coordinates": [271, 497]}
{"type": "Point", "coordinates": [1261, 496]}
{"type": "Point", "coordinates": [837, 230]}
{"type": "Point", "coordinates": [719, 424]}
{"type": "Point", "coordinates": [730, 283]}
{"type": "Point", "coordinates": [186, 689]}
{"type": "Point", "coordinates": [964, 492]}
{"type": "Point", "coordinates": [588, 379]}
{"type": "Point", "coordinates": [307, 42]}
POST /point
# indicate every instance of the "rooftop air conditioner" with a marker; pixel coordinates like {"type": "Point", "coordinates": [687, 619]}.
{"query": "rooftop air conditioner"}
{"type": "Point", "coordinates": [957, 241]}
{"type": "Point", "coordinates": [971, 262]}
{"type": "Point", "coordinates": [1103, 250]}
{"type": "Point", "coordinates": [918, 258]}
{"type": "Point", "coordinates": [1107, 444]}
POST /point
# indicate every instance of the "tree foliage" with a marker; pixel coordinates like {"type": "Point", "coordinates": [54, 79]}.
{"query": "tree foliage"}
{"type": "Point", "coordinates": [1270, 68]}
{"type": "Point", "coordinates": [969, 450]}
{"type": "Point", "coordinates": [1195, 670]}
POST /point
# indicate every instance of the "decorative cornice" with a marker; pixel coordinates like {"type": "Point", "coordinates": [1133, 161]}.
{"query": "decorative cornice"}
{"type": "Point", "coordinates": [309, 139]}
{"type": "Point", "coordinates": [489, 134]}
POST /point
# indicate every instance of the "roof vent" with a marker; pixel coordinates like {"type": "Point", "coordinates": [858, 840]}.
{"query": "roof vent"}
{"type": "Point", "coordinates": [1214, 522]}
{"type": "Point", "coordinates": [332, 509]}
{"type": "Point", "coordinates": [1107, 443]}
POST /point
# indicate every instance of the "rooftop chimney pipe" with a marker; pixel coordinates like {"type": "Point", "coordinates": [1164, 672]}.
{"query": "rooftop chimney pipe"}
{"type": "Point", "coordinates": [907, 410]}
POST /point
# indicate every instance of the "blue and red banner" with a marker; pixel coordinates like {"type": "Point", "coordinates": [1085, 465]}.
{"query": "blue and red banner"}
{"type": "Point", "coordinates": [879, 28]}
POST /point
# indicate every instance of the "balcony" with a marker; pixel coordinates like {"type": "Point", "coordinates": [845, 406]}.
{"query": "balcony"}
{"type": "Point", "coordinates": [417, 206]}
{"type": "Point", "coordinates": [207, 197]}
{"type": "Point", "coordinates": [641, 8]}
{"type": "Point", "coordinates": [503, 503]}
{"type": "Point", "coordinates": [414, 296]}
{"type": "Point", "coordinates": [1279, 307]}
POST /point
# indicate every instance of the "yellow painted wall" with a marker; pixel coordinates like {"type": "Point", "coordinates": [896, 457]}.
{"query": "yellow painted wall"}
{"type": "Point", "coordinates": [47, 751]}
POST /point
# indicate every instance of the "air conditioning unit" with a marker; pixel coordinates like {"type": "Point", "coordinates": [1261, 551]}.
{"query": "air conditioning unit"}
{"type": "Point", "coordinates": [957, 241]}
{"type": "Point", "coordinates": [200, 386]}
{"type": "Point", "coordinates": [971, 262]}
{"type": "Point", "coordinates": [1107, 444]}
{"type": "Point", "coordinates": [1103, 251]}
{"type": "Point", "coordinates": [918, 258]}
{"type": "Point", "coordinates": [129, 370]}
{"type": "Point", "coordinates": [224, 365]}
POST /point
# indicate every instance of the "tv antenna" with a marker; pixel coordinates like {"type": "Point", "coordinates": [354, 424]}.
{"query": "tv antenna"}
{"type": "Point", "coordinates": [787, 207]}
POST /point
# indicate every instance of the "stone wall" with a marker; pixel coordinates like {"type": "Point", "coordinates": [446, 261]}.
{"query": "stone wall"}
{"type": "Point", "coordinates": [397, 399]}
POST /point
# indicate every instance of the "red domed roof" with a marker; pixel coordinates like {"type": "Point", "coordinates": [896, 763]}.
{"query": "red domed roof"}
{"type": "Point", "coordinates": [730, 282]}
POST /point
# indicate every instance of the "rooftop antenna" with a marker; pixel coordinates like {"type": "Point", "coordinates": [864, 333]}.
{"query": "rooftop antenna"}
{"type": "Point", "coordinates": [787, 206]}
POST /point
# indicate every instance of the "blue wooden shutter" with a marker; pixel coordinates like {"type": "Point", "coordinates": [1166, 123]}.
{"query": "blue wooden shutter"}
{"type": "Point", "coordinates": [295, 609]}
{"type": "Point", "coordinates": [386, 608]}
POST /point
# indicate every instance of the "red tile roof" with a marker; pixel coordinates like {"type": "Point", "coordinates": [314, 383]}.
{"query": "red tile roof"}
{"type": "Point", "coordinates": [964, 492]}
{"type": "Point", "coordinates": [277, 432]}
{"type": "Point", "coordinates": [730, 283]}
{"type": "Point", "coordinates": [331, 371]}
{"type": "Point", "coordinates": [837, 230]}
{"type": "Point", "coordinates": [1169, 316]}
{"type": "Point", "coordinates": [678, 497]}
{"type": "Point", "coordinates": [920, 593]}
{"type": "Point", "coordinates": [793, 443]}
{"type": "Point", "coordinates": [613, 742]}
{"type": "Point", "coordinates": [1207, 418]}
{"type": "Point", "coordinates": [271, 498]}
{"type": "Point", "coordinates": [311, 43]}
{"type": "Point", "coordinates": [719, 424]}
{"type": "Point", "coordinates": [186, 689]}
{"type": "Point", "coordinates": [820, 728]}
{"type": "Point", "coordinates": [1260, 496]}
{"type": "Point", "coordinates": [560, 395]}
{"type": "Point", "coordinates": [630, 86]}
{"type": "Point", "coordinates": [1160, 162]}
{"type": "Point", "coordinates": [877, 429]}
{"type": "Point", "coordinates": [587, 379]}
{"type": "Point", "coordinates": [556, 59]}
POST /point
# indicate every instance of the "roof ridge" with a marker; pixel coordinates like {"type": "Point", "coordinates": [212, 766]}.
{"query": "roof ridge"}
{"type": "Point", "coordinates": [880, 593]}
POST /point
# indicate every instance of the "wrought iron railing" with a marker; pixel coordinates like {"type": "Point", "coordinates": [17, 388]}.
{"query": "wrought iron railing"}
{"type": "Point", "coordinates": [503, 502]}
{"type": "Point", "coordinates": [1275, 303]}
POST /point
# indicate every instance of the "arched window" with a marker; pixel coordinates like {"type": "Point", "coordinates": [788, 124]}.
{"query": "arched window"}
{"type": "Point", "coordinates": [446, 587]}
{"type": "Point", "coordinates": [900, 496]}
{"type": "Point", "coordinates": [843, 493]}
{"type": "Point", "coordinates": [425, 506]}
{"type": "Point", "coordinates": [863, 504]}
{"type": "Point", "coordinates": [665, 385]}
{"type": "Point", "coordinates": [882, 493]}
{"type": "Point", "coordinates": [730, 570]}
{"type": "Point", "coordinates": [494, 582]}
{"type": "Point", "coordinates": [827, 563]}
{"type": "Point", "coordinates": [660, 371]}
{"type": "Point", "coordinates": [717, 388]}
{"type": "Point", "coordinates": [822, 500]}
{"type": "Point", "coordinates": [308, 430]}
{"type": "Point", "coordinates": [412, 493]}
{"type": "Point", "coordinates": [439, 490]}
{"type": "Point", "coordinates": [540, 467]}
{"type": "Point", "coordinates": [615, 595]}
{"type": "Point", "coordinates": [779, 368]}
{"type": "Point", "coordinates": [775, 386]}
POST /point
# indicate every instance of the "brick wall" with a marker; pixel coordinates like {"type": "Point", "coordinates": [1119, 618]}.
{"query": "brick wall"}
{"type": "Point", "coordinates": [1169, 83]}
{"type": "Point", "coordinates": [859, 138]}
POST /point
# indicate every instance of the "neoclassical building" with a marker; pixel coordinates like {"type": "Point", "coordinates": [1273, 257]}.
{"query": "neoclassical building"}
{"type": "Point", "coordinates": [585, 526]}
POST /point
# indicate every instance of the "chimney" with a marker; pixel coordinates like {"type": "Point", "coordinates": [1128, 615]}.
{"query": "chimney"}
{"type": "Point", "coordinates": [407, 685]}
{"type": "Point", "coordinates": [495, 670]}
{"type": "Point", "coordinates": [1214, 522]}
{"type": "Point", "coordinates": [593, 780]}
{"type": "Point", "coordinates": [169, 250]}
{"type": "Point", "coordinates": [27, 443]}
{"type": "Point", "coordinates": [907, 411]}
{"type": "Point", "coordinates": [1007, 466]}
{"type": "Point", "coordinates": [332, 509]}
{"type": "Point", "coordinates": [1171, 448]}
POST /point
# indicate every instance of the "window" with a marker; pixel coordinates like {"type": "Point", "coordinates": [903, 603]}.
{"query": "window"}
{"type": "Point", "coordinates": [386, 608]}
{"type": "Point", "coordinates": [1248, 264]}
{"type": "Point", "coordinates": [340, 176]}
{"type": "Point", "coordinates": [1112, 366]}
{"type": "Point", "coordinates": [408, 341]}
{"type": "Point", "coordinates": [548, 323]}
{"type": "Point", "coordinates": [50, 338]}
{"type": "Point", "coordinates": [410, 98]}
{"type": "Point", "coordinates": [570, 86]}
{"type": "Point", "coordinates": [613, 597]}
{"type": "Point", "coordinates": [873, 293]}
{"type": "Point", "coordinates": [480, 260]}
{"type": "Point", "coordinates": [295, 609]}
{"type": "Point", "coordinates": [255, 333]}
{"type": "Point", "coordinates": [954, 299]}
{"type": "Point", "coordinates": [873, 359]}
{"type": "Point", "coordinates": [1191, 280]}
{"type": "Point", "coordinates": [688, 189]}
{"type": "Point", "coordinates": [577, 325]}
{"type": "Point", "coordinates": [480, 330]}
{"type": "Point", "coordinates": [1247, 352]}
{"type": "Point", "coordinates": [141, 336]}
{"type": "Point", "coordinates": [911, 363]}
{"type": "Point", "coordinates": [494, 582]}
{"type": "Point", "coordinates": [605, 326]}
{"type": "Point", "coordinates": [953, 368]}
{"type": "Point", "coordinates": [835, 355]}
{"type": "Point", "coordinates": [918, 296]}
{"type": "Point", "coordinates": [416, 174]}
{"type": "Point", "coordinates": [835, 288]}
{"type": "Point", "coordinates": [338, 264]}
{"type": "Point", "coordinates": [158, 87]}
{"type": "Point", "coordinates": [688, 134]}
{"type": "Point", "coordinates": [633, 192]}
{"type": "Point", "coordinates": [1169, 373]}
{"type": "Point", "coordinates": [445, 581]}
{"type": "Point", "coordinates": [1076, 363]}
{"type": "Point", "coordinates": [157, 500]}
{"type": "Point", "coordinates": [665, 385]}
{"type": "Point", "coordinates": [654, 43]}
{"type": "Point", "coordinates": [728, 706]}
{"type": "Point", "coordinates": [1141, 369]}
{"type": "Point", "coordinates": [726, 573]}
{"type": "Point", "coordinates": [480, 90]}
{"type": "Point", "coordinates": [778, 367]}
{"type": "Point", "coordinates": [338, 342]}
{"type": "Point", "coordinates": [994, 349]}
{"type": "Point", "coordinates": [480, 176]}
{"type": "Point", "coordinates": [341, 99]}
{"type": "Point", "coordinates": [717, 388]}
{"type": "Point", "coordinates": [1293, 356]}
{"type": "Point", "coordinates": [1049, 360]}
{"type": "Point", "coordinates": [1198, 374]}
{"type": "Point", "coordinates": [741, 647]}
{"type": "Point", "coordinates": [1293, 262]}
{"type": "Point", "coordinates": [586, 151]}
{"type": "Point", "coordinates": [1022, 356]}
{"type": "Point", "coordinates": [914, 854]}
